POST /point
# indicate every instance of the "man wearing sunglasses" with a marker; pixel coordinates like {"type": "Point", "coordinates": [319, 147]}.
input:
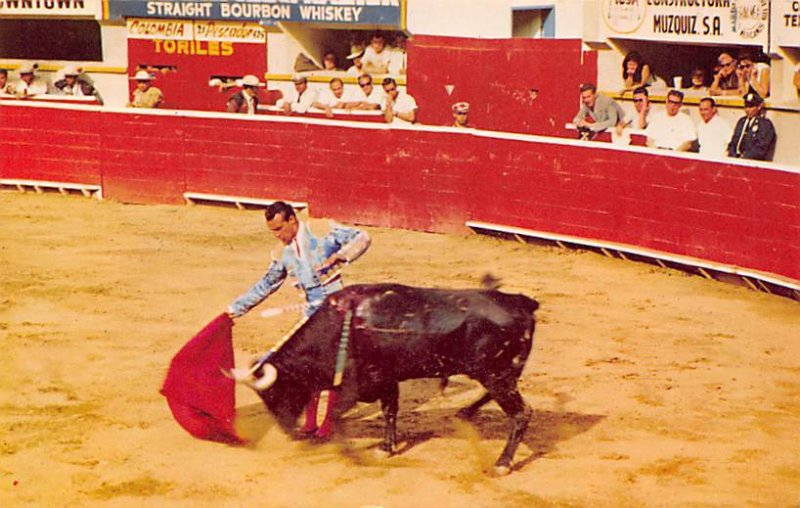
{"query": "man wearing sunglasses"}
{"type": "Point", "coordinates": [726, 79]}
{"type": "Point", "coordinates": [670, 129]}
{"type": "Point", "coordinates": [638, 119]}
{"type": "Point", "coordinates": [368, 96]}
{"type": "Point", "coordinates": [399, 107]}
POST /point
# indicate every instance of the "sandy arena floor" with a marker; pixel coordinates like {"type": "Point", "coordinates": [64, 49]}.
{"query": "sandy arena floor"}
{"type": "Point", "coordinates": [649, 387]}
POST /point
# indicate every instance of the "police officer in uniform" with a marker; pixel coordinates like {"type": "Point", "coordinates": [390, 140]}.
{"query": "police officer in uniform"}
{"type": "Point", "coordinates": [754, 135]}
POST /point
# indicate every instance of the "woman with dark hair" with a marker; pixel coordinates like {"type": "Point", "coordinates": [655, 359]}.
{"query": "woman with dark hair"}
{"type": "Point", "coordinates": [636, 72]}
{"type": "Point", "coordinates": [753, 73]}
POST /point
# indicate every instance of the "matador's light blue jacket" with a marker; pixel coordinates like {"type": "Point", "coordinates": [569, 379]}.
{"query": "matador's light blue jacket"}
{"type": "Point", "coordinates": [301, 259]}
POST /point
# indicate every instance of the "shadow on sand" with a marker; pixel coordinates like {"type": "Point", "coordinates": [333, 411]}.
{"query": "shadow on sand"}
{"type": "Point", "coordinates": [426, 414]}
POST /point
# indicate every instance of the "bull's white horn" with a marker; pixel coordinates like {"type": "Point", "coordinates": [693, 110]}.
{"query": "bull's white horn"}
{"type": "Point", "coordinates": [245, 376]}
{"type": "Point", "coordinates": [269, 377]}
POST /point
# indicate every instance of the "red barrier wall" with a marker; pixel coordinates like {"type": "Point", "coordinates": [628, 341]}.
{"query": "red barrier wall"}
{"type": "Point", "coordinates": [495, 78]}
{"type": "Point", "coordinates": [427, 179]}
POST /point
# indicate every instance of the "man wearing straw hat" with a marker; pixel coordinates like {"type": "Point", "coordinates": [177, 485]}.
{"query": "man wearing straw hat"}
{"type": "Point", "coordinates": [29, 83]}
{"type": "Point", "coordinates": [246, 100]}
{"type": "Point", "coordinates": [145, 95]}
{"type": "Point", "coordinates": [71, 84]}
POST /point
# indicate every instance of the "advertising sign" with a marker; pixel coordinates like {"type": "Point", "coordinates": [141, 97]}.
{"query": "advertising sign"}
{"type": "Point", "coordinates": [786, 23]}
{"type": "Point", "coordinates": [201, 30]}
{"type": "Point", "coordinates": [59, 8]}
{"type": "Point", "coordinates": [267, 12]}
{"type": "Point", "coordinates": [698, 21]}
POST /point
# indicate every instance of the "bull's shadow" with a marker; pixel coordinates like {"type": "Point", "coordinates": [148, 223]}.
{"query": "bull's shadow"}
{"type": "Point", "coordinates": [426, 414]}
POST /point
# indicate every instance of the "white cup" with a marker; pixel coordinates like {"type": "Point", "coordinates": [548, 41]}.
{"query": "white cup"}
{"type": "Point", "coordinates": [678, 82]}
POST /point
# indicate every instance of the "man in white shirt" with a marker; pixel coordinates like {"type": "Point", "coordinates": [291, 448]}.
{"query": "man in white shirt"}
{"type": "Point", "coordinates": [398, 108]}
{"type": "Point", "coordinates": [377, 56]}
{"type": "Point", "coordinates": [368, 96]}
{"type": "Point", "coordinates": [356, 55]}
{"type": "Point", "coordinates": [671, 129]}
{"type": "Point", "coordinates": [713, 133]}
{"type": "Point", "coordinates": [29, 83]}
{"type": "Point", "coordinates": [334, 97]}
{"type": "Point", "coordinates": [301, 100]}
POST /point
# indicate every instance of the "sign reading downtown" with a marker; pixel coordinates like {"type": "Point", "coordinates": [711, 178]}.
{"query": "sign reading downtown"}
{"type": "Point", "coordinates": [721, 21]}
{"type": "Point", "coordinates": [268, 12]}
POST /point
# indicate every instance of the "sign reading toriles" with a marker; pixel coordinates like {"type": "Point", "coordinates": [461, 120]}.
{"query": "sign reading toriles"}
{"type": "Point", "coordinates": [717, 21]}
{"type": "Point", "coordinates": [267, 12]}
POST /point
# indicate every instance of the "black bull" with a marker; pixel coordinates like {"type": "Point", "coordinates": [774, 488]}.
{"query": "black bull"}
{"type": "Point", "coordinates": [398, 333]}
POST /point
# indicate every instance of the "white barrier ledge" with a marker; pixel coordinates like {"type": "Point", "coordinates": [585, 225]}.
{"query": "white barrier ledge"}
{"type": "Point", "coordinates": [759, 281]}
{"type": "Point", "coordinates": [241, 202]}
{"type": "Point", "coordinates": [63, 187]}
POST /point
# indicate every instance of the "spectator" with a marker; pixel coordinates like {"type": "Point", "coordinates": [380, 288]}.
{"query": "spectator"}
{"type": "Point", "coordinates": [377, 56]}
{"type": "Point", "coordinates": [636, 72]}
{"type": "Point", "coordinates": [698, 81]}
{"type": "Point", "coordinates": [29, 83]}
{"type": "Point", "coordinates": [334, 98]}
{"type": "Point", "coordinates": [301, 100]}
{"type": "Point", "coordinates": [461, 115]}
{"type": "Point", "coordinates": [72, 84]}
{"type": "Point", "coordinates": [754, 135]}
{"type": "Point", "coordinates": [713, 132]}
{"type": "Point", "coordinates": [145, 95]}
{"type": "Point", "coordinates": [329, 62]}
{"type": "Point", "coordinates": [356, 56]}
{"type": "Point", "coordinates": [370, 97]}
{"type": "Point", "coordinates": [726, 79]}
{"type": "Point", "coordinates": [753, 76]}
{"type": "Point", "coordinates": [398, 108]}
{"type": "Point", "coordinates": [597, 112]}
{"type": "Point", "coordinates": [671, 129]}
{"type": "Point", "coordinates": [5, 86]}
{"type": "Point", "coordinates": [397, 62]}
{"type": "Point", "coordinates": [796, 80]}
{"type": "Point", "coordinates": [245, 100]}
{"type": "Point", "coordinates": [640, 117]}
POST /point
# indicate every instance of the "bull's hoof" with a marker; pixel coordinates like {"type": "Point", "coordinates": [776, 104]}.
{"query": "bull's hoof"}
{"type": "Point", "coordinates": [307, 429]}
{"type": "Point", "coordinates": [502, 470]}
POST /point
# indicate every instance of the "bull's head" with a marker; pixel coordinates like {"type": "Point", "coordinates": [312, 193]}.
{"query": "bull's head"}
{"type": "Point", "coordinates": [284, 397]}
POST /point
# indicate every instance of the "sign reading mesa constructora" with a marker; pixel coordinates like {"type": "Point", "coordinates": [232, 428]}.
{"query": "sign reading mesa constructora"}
{"type": "Point", "coordinates": [267, 12]}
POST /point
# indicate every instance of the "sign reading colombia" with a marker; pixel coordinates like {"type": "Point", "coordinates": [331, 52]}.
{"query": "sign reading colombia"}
{"type": "Point", "coordinates": [268, 12]}
{"type": "Point", "coordinates": [715, 21]}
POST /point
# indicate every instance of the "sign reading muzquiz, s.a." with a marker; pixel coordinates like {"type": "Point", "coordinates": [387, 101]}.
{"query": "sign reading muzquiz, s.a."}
{"type": "Point", "coordinates": [267, 12]}
{"type": "Point", "coordinates": [701, 21]}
